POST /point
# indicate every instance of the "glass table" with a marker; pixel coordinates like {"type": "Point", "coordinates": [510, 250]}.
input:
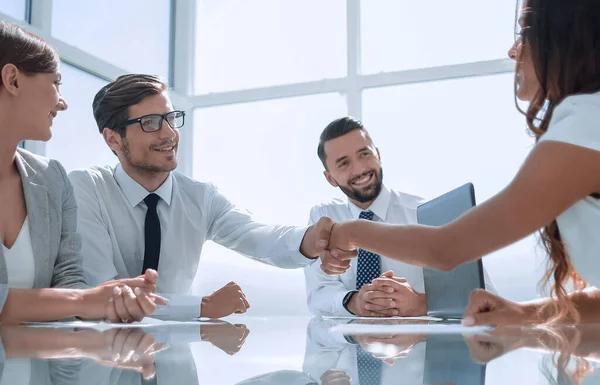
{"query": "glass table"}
{"type": "Point", "coordinates": [297, 350]}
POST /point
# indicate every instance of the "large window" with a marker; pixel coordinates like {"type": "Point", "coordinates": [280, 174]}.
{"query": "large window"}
{"type": "Point", "coordinates": [263, 157]}
{"type": "Point", "coordinates": [245, 44]}
{"type": "Point", "coordinates": [133, 34]}
{"type": "Point", "coordinates": [14, 8]}
{"type": "Point", "coordinates": [409, 34]}
{"type": "Point", "coordinates": [436, 136]}
{"type": "Point", "coordinates": [430, 80]}
{"type": "Point", "coordinates": [76, 141]}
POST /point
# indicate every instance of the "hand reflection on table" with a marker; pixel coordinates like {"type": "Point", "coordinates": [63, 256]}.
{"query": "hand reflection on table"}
{"type": "Point", "coordinates": [389, 348]}
{"type": "Point", "coordinates": [565, 344]}
{"type": "Point", "coordinates": [335, 377]}
{"type": "Point", "coordinates": [225, 336]}
{"type": "Point", "coordinates": [127, 348]}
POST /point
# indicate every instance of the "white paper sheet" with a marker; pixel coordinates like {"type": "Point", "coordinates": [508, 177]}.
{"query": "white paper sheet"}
{"type": "Point", "coordinates": [348, 318]}
{"type": "Point", "coordinates": [356, 328]}
{"type": "Point", "coordinates": [102, 326]}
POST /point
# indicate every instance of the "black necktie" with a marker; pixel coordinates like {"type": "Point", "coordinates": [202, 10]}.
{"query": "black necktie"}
{"type": "Point", "coordinates": [151, 234]}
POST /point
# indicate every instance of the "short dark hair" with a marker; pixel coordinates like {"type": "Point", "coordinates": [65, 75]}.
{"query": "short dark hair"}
{"type": "Point", "coordinates": [335, 129]}
{"type": "Point", "coordinates": [111, 104]}
{"type": "Point", "coordinates": [26, 51]}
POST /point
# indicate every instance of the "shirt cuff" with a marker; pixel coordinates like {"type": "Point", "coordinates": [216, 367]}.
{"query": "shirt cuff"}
{"type": "Point", "coordinates": [339, 305]}
{"type": "Point", "coordinates": [180, 307]}
{"type": "Point", "coordinates": [294, 243]}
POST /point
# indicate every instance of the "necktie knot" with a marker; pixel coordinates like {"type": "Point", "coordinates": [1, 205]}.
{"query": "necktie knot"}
{"type": "Point", "coordinates": [368, 215]}
{"type": "Point", "coordinates": [151, 201]}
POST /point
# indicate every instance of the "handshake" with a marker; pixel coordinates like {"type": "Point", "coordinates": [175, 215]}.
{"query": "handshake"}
{"type": "Point", "coordinates": [326, 239]}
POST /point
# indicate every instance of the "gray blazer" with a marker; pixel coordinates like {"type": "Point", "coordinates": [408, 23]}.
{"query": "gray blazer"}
{"type": "Point", "coordinates": [52, 213]}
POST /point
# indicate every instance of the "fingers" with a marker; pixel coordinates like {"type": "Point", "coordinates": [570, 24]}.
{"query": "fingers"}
{"type": "Point", "coordinates": [245, 300]}
{"type": "Point", "coordinates": [376, 294]}
{"type": "Point", "coordinates": [323, 228]}
{"type": "Point", "coordinates": [118, 346]}
{"type": "Point", "coordinates": [344, 255]}
{"type": "Point", "coordinates": [140, 282]}
{"type": "Point", "coordinates": [245, 332]}
{"type": "Point", "coordinates": [157, 299]}
{"type": "Point", "coordinates": [131, 304]}
{"type": "Point", "coordinates": [151, 276]}
{"type": "Point", "coordinates": [147, 305]}
{"type": "Point", "coordinates": [120, 308]}
{"type": "Point", "coordinates": [481, 309]}
{"type": "Point", "coordinates": [381, 311]}
{"type": "Point", "coordinates": [387, 274]}
{"type": "Point", "coordinates": [111, 313]}
{"type": "Point", "coordinates": [243, 304]}
{"type": "Point", "coordinates": [385, 303]}
{"type": "Point", "coordinates": [148, 371]}
{"type": "Point", "coordinates": [394, 283]}
{"type": "Point", "coordinates": [335, 262]}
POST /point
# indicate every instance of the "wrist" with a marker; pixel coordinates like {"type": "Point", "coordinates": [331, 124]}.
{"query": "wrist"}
{"type": "Point", "coordinates": [531, 312]}
{"type": "Point", "coordinates": [351, 303]}
{"type": "Point", "coordinates": [204, 306]}
{"type": "Point", "coordinates": [82, 304]}
{"type": "Point", "coordinates": [310, 237]}
{"type": "Point", "coordinates": [349, 231]}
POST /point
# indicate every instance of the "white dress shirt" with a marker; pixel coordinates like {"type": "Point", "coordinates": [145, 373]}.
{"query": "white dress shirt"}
{"type": "Point", "coordinates": [325, 293]}
{"type": "Point", "coordinates": [20, 261]}
{"type": "Point", "coordinates": [111, 219]}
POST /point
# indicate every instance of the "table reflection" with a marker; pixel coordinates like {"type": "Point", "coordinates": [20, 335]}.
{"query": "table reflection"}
{"type": "Point", "coordinates": [157, 354]}
{"type": "Point", "coordinates": [164, 354]}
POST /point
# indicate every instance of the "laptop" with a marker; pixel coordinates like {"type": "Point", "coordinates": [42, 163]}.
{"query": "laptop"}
{"type": "Point", "coordinates": [448, 292]}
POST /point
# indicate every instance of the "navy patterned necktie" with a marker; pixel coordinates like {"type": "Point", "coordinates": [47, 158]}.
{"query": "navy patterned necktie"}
{"type": "Point", "coordinates": [369, 264]}
{"type": "Point", "coordinates": [369, 368]}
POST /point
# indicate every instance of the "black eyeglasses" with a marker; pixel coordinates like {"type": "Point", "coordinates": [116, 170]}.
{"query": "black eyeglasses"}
{"type": "Point", "coordinates": [153, 122]}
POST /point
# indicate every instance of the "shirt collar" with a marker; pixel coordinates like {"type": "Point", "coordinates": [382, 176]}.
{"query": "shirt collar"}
{"type": "Point", "coordinates": [379, 207]}
{"type": "Point", "coordinates": [135, 192]}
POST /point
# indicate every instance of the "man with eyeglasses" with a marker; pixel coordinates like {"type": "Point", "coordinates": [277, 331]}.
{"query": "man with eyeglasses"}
{"type": "Point", "coordinates": [142, 214]}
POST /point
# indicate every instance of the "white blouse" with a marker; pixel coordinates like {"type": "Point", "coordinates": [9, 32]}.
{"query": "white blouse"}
{"type": "Point", "coordinates": [576, 121]}
{"type": "Point", "coordinates": [20, 262]}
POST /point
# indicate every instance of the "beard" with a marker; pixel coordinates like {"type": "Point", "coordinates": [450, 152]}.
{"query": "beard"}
{"type": "Point", "coordinates": [365, 195]}
{"type": "Point", "coordinates": [144, 167]}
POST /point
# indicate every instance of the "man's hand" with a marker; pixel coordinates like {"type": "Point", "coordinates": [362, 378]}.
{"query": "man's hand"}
{"type": "Point", "coordinates": [407, 302]}
{"type": "Point", "coordinates": [227, 300]}
{"type": "Point", "coordinates": [315, 244]}
{"type": "Point", "coordinates": [379, 307]}
{"type": "Point", "coordinates": [227, 337]}
{"type": "Point", "coordinates": [316, 239]}
{"type": "Point", "coordinates": [336, 261]}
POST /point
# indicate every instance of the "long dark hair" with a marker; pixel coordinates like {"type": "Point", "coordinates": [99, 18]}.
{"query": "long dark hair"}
{"type": "Point", "coordinates": [563, 39]}
{"type": "Point", "coordinates": [29, 53]}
